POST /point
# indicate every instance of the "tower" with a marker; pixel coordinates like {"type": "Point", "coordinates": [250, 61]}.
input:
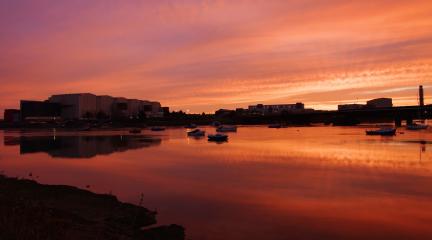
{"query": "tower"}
{"type": "Point", "coordinates": [421, 96]}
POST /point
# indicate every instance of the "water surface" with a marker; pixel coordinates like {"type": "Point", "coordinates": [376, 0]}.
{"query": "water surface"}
{"type": "Point", "coordinates": [291, 183]}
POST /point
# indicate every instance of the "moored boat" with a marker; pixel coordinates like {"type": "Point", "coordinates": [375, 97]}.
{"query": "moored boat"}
{"type": "Point", "coordinates": [191, 126]}
{"type": "Point", "coordinates": [416, 126]}
{"type": "Point", "coordinates": [227, 128]}
{"type": "Point", "coordinates": [382, 132]}
{"type": "Point", "coordinates": [157, 129]}
{"type": "Point", "coordinates": [217, 137]}
{"type": "Point", "coordinates": [196, 133]}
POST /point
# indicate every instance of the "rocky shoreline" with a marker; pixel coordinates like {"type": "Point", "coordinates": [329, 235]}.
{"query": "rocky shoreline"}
{"type": "Point", "coordinates": [29, 210]}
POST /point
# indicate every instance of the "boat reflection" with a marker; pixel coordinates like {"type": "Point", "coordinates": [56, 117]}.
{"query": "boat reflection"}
{"type": "Point", "coordinates": [80, 146]}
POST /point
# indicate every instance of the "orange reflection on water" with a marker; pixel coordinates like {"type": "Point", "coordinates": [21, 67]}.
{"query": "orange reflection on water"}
{"type": "Point", "coordinates": [293, 183]}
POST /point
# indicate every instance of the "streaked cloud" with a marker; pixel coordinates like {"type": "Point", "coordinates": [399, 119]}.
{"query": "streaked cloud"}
{"type": "Point", "coordinates": [204, 55]}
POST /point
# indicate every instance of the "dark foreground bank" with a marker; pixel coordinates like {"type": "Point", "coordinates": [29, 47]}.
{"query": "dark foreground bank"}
{"type": "Point", "coordinates": [29, 210]}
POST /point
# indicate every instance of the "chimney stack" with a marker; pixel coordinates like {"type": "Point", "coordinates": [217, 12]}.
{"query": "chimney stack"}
{"type": "Point", "coordinates": [421, 96]}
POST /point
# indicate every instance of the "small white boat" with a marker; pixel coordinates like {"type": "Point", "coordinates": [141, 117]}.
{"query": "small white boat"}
{"type": "Point", "coordinates": [218, 137]}
{"type": "Point", "coordinates": [227, 128]}
{"type": "Point", "coordinates": [196, 133]}
{"type": "Point", "coordinates": [157, 129]}
{"type": "Point", "coordinates": [416, 126]}
{"type": "Point", "coordinates": [382, 132]}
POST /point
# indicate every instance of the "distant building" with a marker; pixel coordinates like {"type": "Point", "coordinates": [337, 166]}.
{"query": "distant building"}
{"type": "Point", "coordinates": [134, 107]}
{"type": "Point", "coordinates": [104, 106]}
{"type": "Point", "coordinates": [241, 111]}
{"type": "Point", "coordinates": [156, 110]}
{"type": "Point", "coordinates": [224, 112]}
{"type": "Point", "coordinates": [120, 108]}
{"type": "Point", "coordinates": [275, 108]}
{"type": "Point", "coordinates": [89, 106]}
{"type": "Point", "coordinates": [76, 106]}
{"type": "Point", "coordinates": [165, 111]}
{"type": "Point", "coordinates": [12, 115]}
{"type": "Point", "coordinates": [380, 103]}
{"type": "Point", "coordinates": [346, 107]}
{"type": "Point", "coordinates": [39, 110]}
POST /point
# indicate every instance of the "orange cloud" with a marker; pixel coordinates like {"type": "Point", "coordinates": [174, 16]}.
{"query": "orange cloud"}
{"type": "Point", "coordinates": [203, 55]}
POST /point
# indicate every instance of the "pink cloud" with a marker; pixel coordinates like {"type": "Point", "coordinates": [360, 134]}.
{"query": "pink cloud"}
{"type": "Point", "coordinates": [203, 55]}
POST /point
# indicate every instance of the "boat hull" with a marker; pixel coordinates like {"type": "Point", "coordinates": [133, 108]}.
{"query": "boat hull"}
{"type": "Point", "coordinates": [196, 133]}
{"type": "Point", "coordinates": [417, 127]}
{"type": "Point", "coordinates": [218, 138]}
{"type": "Point", "coordinates": [390, 132]}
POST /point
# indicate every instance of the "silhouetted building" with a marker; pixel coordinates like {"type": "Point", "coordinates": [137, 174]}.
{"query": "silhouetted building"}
{"type": "Point", "coordinates": [120, 108]}
{"type": "Point", "coordinates": [346, 107]}
{"type": "Point", "coordinates": [104, 106]}
{"type": "Point", "coordinates": [156, 110]}
{"type": "Point", "coordinates": [88, 106]}
{"type": "Point", "coordinates": [275, 108]}
{"type": "Point", "coordinates": [12, 115]}
{"type": "Point", "coordinates": [224, 112]}
{"type": "Point", "coordinates": [380, 103]}
{"type": "Point", "coordinates": [76, 106]}
{"type": "Point", "coordinates": [39, 110]}
{"type": "Point", "coordinates": [165, 111]}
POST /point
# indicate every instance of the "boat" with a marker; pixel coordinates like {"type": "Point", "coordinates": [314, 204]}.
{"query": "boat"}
{"type": "Point", "coordinates": [416, 126]}
{"type": "Point", "coordinates": [196, 133]}
{"type": "Point", "coordinates": [157, 129]}
{"type": "Point", "coordinates": [217, 137]}
{"type": "Point", "coordinates": [382, 132]}
{"type": "Point", "coordinates": [227, 128]}
{"type": "Point", "coordinates": [191, 126]}
{"type": "Point", "coordinates": [135, 130]}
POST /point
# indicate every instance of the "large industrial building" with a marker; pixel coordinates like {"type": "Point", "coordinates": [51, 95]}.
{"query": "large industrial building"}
{"type": "Point", "coordinates": [374, 103]}
{"type": "Point", "coordinates": [76, 106]}
{"type": "Point", "coordinates": [32, 110]}
{"type": "Point", "coordinates": [89, 106]}
{"type": "Point", "coordinates": [380, 103]}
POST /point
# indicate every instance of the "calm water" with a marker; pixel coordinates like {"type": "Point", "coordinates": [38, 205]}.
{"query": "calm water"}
{"type": "Point", "coordinates": [292, 183]}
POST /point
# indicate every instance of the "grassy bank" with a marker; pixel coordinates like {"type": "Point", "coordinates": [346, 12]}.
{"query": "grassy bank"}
{"type": "Point", "coordinates": [29, 210]}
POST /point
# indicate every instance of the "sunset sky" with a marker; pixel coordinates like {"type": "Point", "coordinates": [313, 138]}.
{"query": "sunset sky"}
{"type": "Point", "coordinates": [204, 55]}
